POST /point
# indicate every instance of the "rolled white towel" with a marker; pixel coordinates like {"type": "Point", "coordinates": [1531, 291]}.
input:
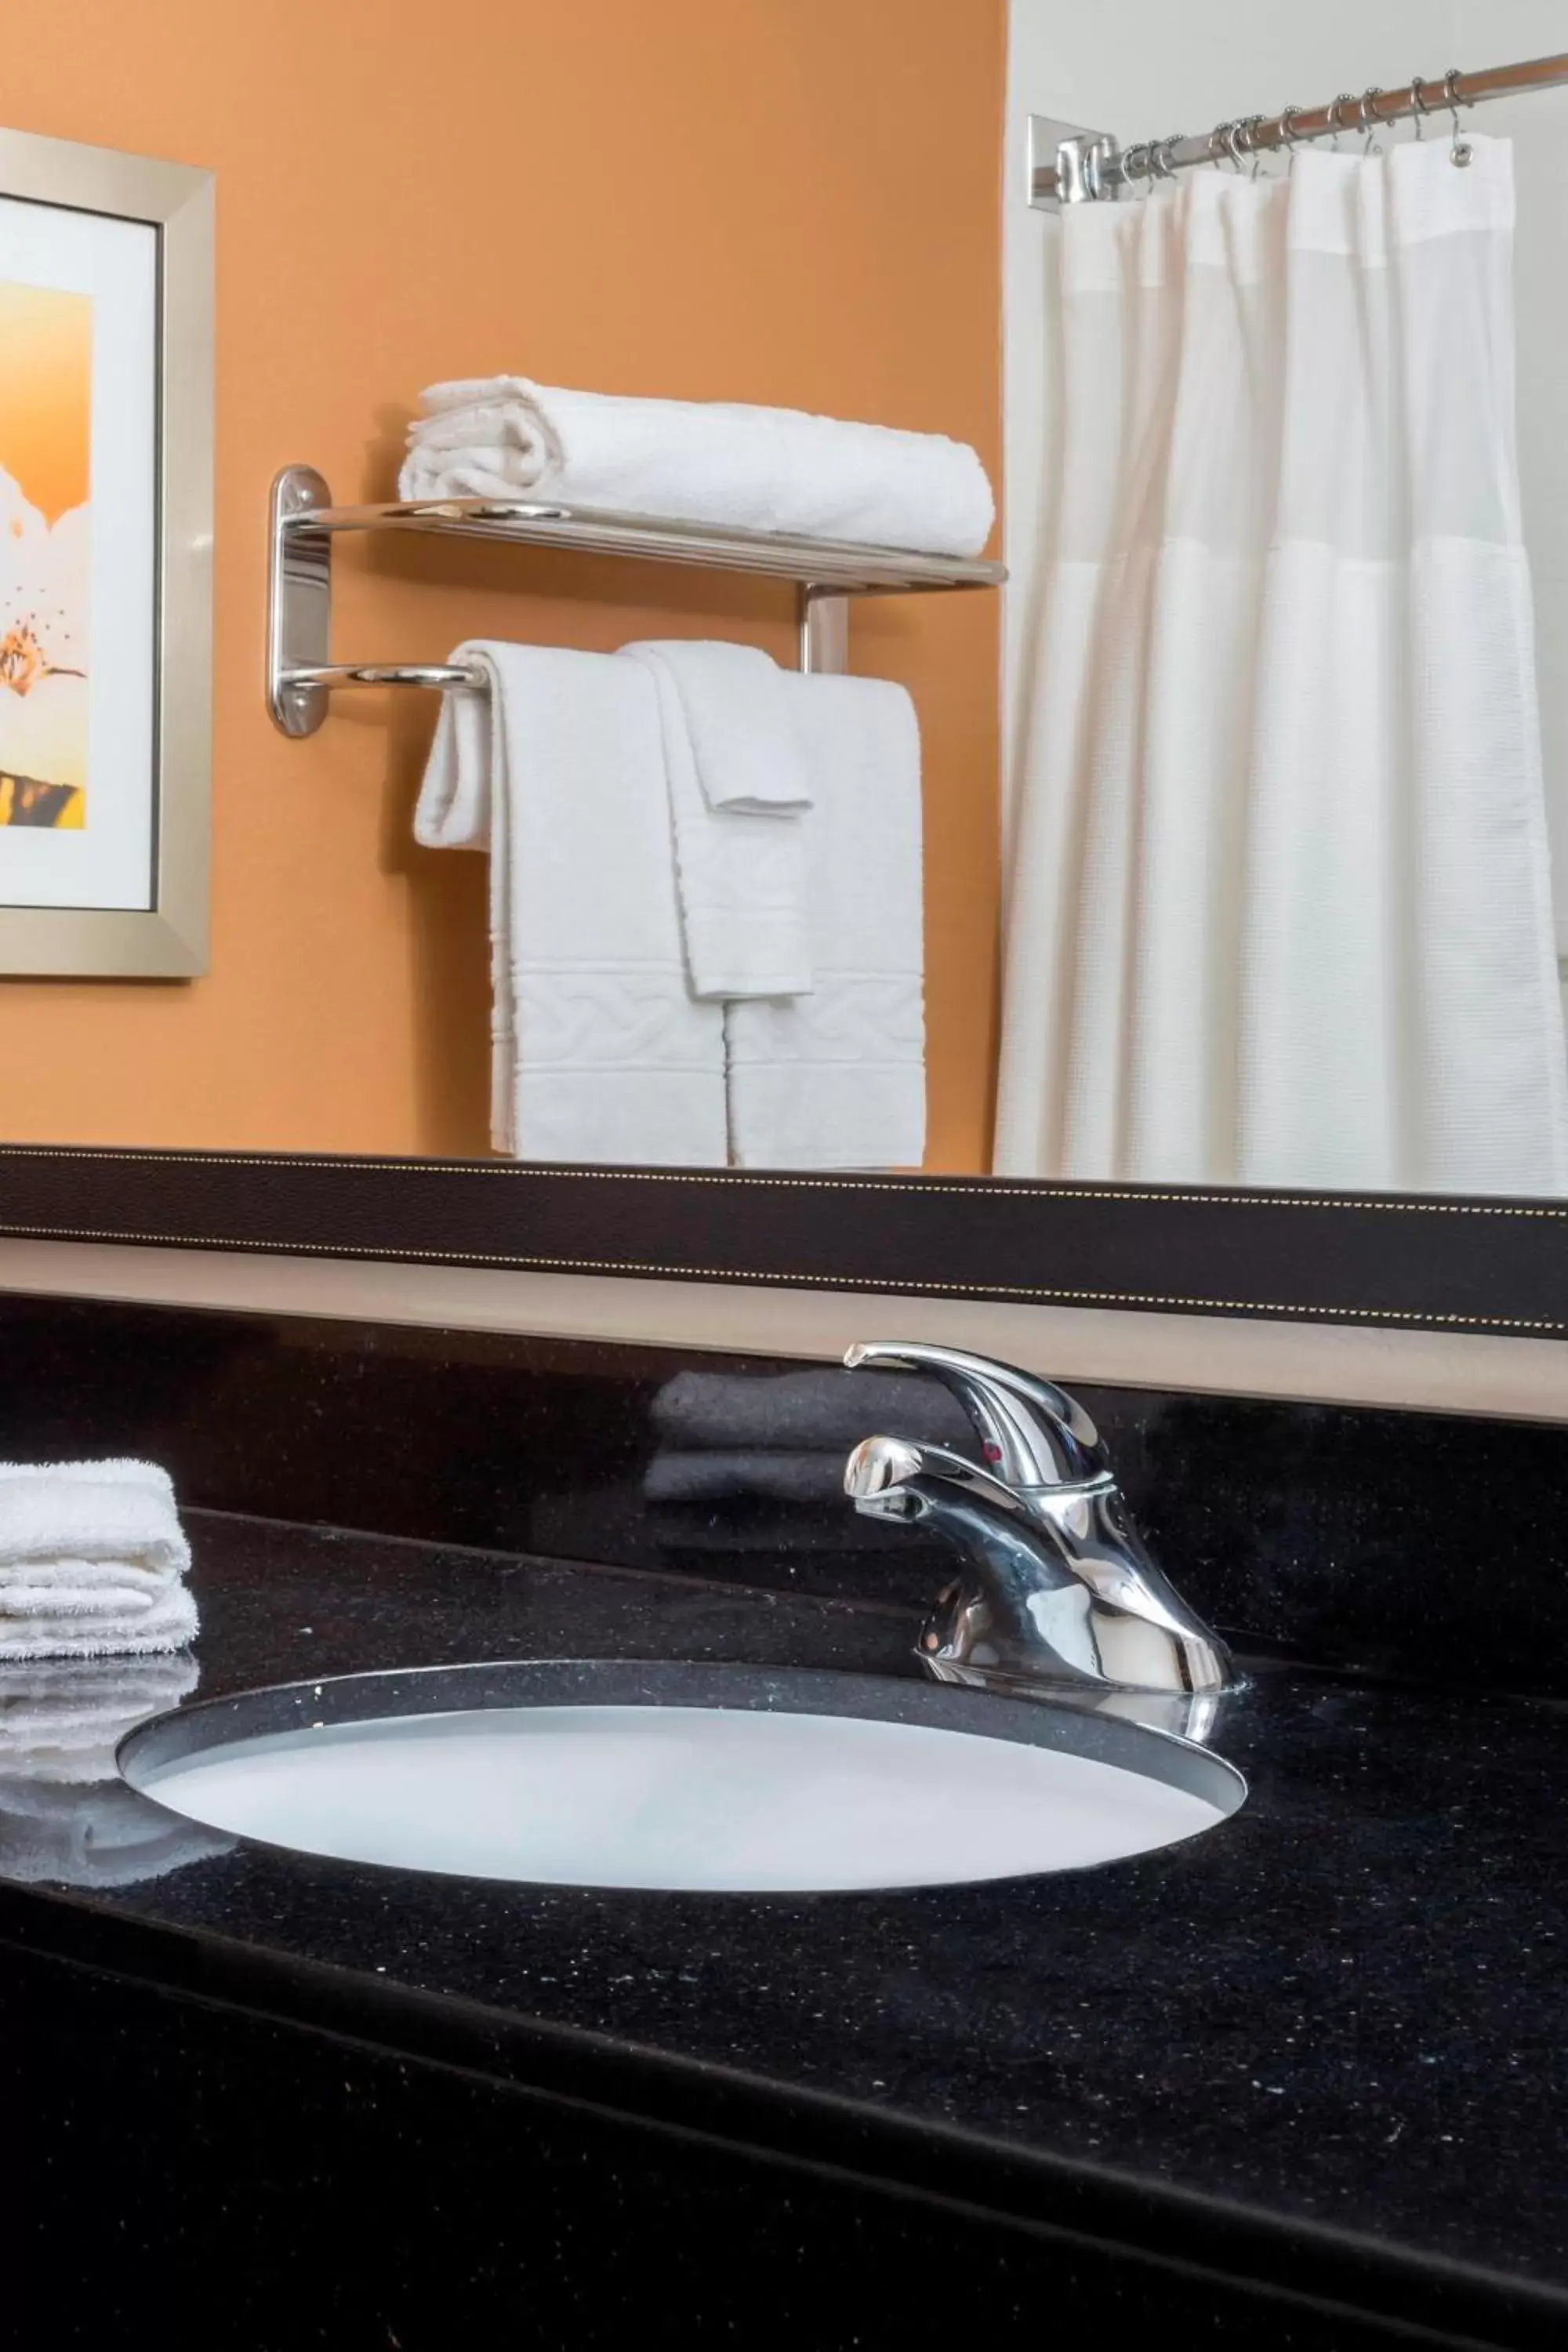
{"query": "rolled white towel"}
{"type": "Point", "coordinates": [92, 1560]}
{"type": "Point", "coordinates": [720, 462]}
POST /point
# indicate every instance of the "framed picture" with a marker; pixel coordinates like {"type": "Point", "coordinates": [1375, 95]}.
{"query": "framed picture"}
{"type": "Point", "coordinates": [106, 363]}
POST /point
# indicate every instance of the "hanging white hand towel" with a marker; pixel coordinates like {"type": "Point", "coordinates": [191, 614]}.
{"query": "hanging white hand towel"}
{"type": "Point", "coordinates": [92, 1560]}
{"type": "Point", "coordinates": [837, 1079]}
{"type": "Point", "coordinates": [738, 788]}
{"type": "Point", "coordinates": [600, 1052]}
{"type": "Point", "coordinates": [719, 462]}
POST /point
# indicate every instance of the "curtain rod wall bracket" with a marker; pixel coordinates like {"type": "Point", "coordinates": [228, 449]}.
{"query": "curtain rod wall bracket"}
{"type": "Point", "coordinates": [1066, 164]}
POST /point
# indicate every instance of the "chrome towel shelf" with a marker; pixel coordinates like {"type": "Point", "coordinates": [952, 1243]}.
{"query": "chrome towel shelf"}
{"type": "Point", "coordinates": [300, 678]}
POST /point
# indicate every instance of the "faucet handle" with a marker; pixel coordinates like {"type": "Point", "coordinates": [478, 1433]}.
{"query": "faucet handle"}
{"type": "Point", "coordinates": [879, 1477]}
{"type": "Point", "coordinates": [1032, 1434]}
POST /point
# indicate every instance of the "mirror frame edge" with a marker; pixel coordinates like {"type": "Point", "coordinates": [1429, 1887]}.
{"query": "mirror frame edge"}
{"type": "Point", "coordinates": [1485, 1265]}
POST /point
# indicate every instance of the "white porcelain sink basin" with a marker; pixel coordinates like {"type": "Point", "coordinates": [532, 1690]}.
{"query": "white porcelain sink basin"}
{"type": "Point", "coordinates": [712, 1778]}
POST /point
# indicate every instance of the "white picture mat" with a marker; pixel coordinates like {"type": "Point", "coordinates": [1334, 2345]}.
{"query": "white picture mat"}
{"type": "Point", "coordinates": [109, 862]}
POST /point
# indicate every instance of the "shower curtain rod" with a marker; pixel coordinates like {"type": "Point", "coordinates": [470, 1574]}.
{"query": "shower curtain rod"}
{"type": "Point", "coordinates": [1089, 166]}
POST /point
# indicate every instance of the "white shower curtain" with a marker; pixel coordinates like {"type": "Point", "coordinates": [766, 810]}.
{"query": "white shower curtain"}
{"type": "Point", "coordinates": [1281, 906]}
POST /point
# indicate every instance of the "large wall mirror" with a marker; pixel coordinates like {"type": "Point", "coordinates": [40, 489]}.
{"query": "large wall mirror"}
{"type": "Point", "coordinates": [1231, 855]}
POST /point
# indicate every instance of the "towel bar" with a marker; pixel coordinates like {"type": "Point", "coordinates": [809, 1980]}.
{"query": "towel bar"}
{"type": "Point", "coordinates": [446, 676]}
{"type": "Point", "coordinates": [300, 678]}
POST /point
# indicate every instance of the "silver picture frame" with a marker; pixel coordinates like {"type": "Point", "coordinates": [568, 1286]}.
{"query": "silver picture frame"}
{"type": "Point", "coordinates": [167, 939]}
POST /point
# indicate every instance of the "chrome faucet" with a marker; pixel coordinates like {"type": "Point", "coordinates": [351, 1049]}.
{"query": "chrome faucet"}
{"type": "Point", "coordinates": [1056, 1592]}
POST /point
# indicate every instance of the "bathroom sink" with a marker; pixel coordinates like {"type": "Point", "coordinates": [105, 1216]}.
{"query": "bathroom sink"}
{"type": "Point", "coordinates": [687, 1777]}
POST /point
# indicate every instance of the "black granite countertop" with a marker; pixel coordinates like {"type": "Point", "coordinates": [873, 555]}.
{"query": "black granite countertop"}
{"type": "Point", "coordinates": [1329, 2033]}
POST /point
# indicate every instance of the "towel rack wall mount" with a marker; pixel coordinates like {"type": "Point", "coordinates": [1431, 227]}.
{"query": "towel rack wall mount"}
{"type": "Point", "coordinates": [302, 675]}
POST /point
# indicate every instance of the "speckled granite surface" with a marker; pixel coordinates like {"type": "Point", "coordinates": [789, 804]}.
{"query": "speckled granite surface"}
{"type": "Point", "coordinates": [1323, 2042]}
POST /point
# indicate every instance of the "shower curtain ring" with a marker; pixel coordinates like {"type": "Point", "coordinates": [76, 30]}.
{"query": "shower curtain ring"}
{"type": "Point", "coordinates": [1251, 124]}
{"type": "Point", "coordinates": [1233, 131]}
{"type": "Point", "coordinates": [1336, 117]}
{"type": "Point", "coordinates": [1418, 106]}
{"type": "Point", "coordinates": [1460, 151]}
{"type": "Point", "coordinates": [1290, 137]}
{"type": "Point", "coordinates": [1368, 119]}
{"type": "Point", "coordinates": [1160, 155]}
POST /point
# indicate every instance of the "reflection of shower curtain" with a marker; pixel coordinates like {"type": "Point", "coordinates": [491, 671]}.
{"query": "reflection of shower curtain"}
{"type": "Point", "coordinates": [1281, 907]}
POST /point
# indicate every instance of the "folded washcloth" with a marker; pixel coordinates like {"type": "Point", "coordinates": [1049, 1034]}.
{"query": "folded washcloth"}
{"type": "Point", "coordinates": [738, 788]}
{"type": "Point", "coordinates": [600, 1052]}
{"type": "Point", "coordinates": [740, 468]}
{"type": "Point", "coordinates": [62, 1719]}
{"type": "Point", "coordinates": [837, 1078]}
{"type": "Point", "coordinates": [820, 1410]}
{"type": "Point", "coordinates": [92, 1561]}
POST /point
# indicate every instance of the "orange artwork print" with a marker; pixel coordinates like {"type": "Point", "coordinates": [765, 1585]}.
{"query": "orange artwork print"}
{"type": "Point", "coordinates": [45, 444]}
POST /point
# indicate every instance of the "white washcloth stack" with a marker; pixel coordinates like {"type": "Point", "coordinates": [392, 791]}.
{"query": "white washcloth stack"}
{"type": "Point", "coordinates": [705, 461]}
{"type": "Point", "coordinates": [92, 1561]}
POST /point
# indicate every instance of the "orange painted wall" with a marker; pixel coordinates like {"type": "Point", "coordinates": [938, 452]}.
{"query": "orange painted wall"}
{"type": "Point", "coordinates": [790, 201]}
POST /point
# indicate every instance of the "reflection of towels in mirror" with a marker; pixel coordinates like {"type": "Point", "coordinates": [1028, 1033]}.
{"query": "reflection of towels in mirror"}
{"type": "Point", "coordinates": [103, 1835]}
{"type": "Point", "coordinates": [714, 1474]}
{"type": "Point", "coordinates": [799, 1412]}
{"type": "Point", "coordinates": [61, 1719]}
{"type": "Point", "coordinates": [65, 1815]}
{"type": "Point", "coordinates": [769, 1449]}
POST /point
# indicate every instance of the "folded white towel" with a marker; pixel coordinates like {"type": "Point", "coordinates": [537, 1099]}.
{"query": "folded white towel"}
{"type": "Point", "coordinates": [719, 462]}
{"type": "Point", "coordinates": [114, 1515]}
{"type": "Point", "coordinates": [60, 1633]}
{"type": "Point", "coordinates": [738, 788]}
{"type": "Point", "coordinates": [600, 1051]}
{"type": "Point", "coordinates": [92, 1560]}
{"type": "Point", "coordinates": [837, 1079]}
